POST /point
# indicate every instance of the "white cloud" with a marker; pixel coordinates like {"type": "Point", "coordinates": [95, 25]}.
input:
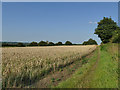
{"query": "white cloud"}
{"type": "Point", "coordinates": [90, 22]}
{"type": "Point", "coordinates": [95, 22]}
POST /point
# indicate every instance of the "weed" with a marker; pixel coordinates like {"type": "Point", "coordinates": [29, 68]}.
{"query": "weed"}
{"type": "Point", "coordinates": [58, 79]}
{"type": "Point", "coordinates": [52, 79]}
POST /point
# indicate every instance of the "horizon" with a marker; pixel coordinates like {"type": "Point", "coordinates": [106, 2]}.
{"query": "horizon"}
{"type": "Point", "coordinates": [54, 22]}
{"type": "Point", "coordinates": [37, 42]}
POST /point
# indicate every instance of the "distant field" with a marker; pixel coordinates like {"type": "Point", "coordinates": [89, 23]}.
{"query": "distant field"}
{"type": "Point", "coordinates": [24, 65]}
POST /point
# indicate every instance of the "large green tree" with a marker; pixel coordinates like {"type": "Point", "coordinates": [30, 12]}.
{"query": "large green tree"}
{"type": "Point", "coordinates": [116, 36]}
{"type": "Point", "coordinates": [105, 29]}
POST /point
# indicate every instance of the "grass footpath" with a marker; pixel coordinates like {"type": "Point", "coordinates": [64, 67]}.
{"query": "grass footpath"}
{"type": "Point", "coordinates": [101, 71]}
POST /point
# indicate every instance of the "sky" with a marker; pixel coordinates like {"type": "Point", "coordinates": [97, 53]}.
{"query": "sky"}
{"type": "Point", "coordinates": [119, 13]}
{"type": "Point", "coordinates": [54, 21]}
{"type": "Point", "coordinates": [60, 0]}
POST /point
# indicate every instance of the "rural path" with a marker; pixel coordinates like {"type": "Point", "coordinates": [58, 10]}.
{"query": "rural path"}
{"type": "Point", "coordinates": [87, 79]}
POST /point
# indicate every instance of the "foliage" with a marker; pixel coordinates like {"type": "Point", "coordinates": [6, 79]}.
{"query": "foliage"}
{"type": "Point", "coordinates": [52, 79]}
{"type": "Point", "coordinates": [51, 44]}
{"type": "Point", "coordinates": [59, 43]}
{"type": "Point", "coordinates": [105, 29]}
{"type": "Point", "coordinates": [116, 36]}
{"type": "Point", "coordinates": [90, 42]}
{"type": "Point", "coordinates": [33, 44]}
{"type": "Point", "coordinates": [68, 43]}
{"type": "Point", "coordinates": [8, 45]}
{"type": "Point", "coordinates": [42, 43]}
{"type": "Point", "coordinates": [20, 45]}
{"type": "Point", "coordinates": [13, 44]}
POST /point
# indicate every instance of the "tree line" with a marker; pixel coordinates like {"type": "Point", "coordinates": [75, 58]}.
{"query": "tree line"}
{"type": "Point", "coordinates": [41, 43]}
{"type": "Point", "coordinates": [47, 43]}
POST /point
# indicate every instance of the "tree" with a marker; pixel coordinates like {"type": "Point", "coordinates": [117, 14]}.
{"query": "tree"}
{"type": "Point", "coordinates": [68, 43]}
{"type": "Point", "coordinates": [105, 29]}
{"type": "Point", "coordinates": [42, 43]}
{"type": "Point", "coordinates": [33, 44]}
{"type": "Point", "coordinates": [59, 43]}
{"type": "Point", "coordinates": [20, 45]}
{"type": "Point", "coordinates": [90, 42]}
{"type": "Point", "coordinates": [116, 36]}
{"type": "Point", "coordinates": [85, 43]}
{"type": "Point", "coordinates": [50, 43]}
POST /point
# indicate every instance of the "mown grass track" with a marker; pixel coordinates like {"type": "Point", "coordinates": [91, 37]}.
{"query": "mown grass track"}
{"type": "Point", "coordinates": [100, 72]}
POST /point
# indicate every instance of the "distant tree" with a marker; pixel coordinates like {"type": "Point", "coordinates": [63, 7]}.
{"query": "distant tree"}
{"type": "Point", "coordinates": [59, 43]}
{"type": "Point", "coordinates": [105, 29]}
{"type": "Point", "coordinates": [42, 43]}
{"type": "Point", "coordinates": [5, 44]}
{"type": "Point", "coordinates": [68, 43]}
{"type": "Point", "coordinates": [47, 42]}
{"type": "Point", "coordinates": [85, 43]}
{"type": "Point", "coordinates": [33, 44]}
{"type": "Point", "coordinates": [90, 42]}
{"type": "Point", "coordinates": [20, 45]}
{"type": "Point", "coordinates": [9, 44]}
{"type": "Point", "coordinates": [50, 43]}
{"type": "Point", "coordinates": [0, 44]}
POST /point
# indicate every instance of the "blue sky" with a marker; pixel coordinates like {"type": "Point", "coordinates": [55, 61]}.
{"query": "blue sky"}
{"type": "Point", "coordinates": [119, 13]}
{"type": "Point", "coordinates": [54, 21]}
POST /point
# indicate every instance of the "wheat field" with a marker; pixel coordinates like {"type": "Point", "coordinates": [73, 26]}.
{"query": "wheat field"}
{"type": "Point", "coordinates": [24, 65]}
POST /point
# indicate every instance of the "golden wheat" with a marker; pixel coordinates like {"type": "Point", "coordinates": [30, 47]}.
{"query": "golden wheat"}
{"type": "Point", "coordinates": [29, 63]}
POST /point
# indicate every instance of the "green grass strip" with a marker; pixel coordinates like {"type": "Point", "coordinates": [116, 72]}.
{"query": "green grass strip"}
{"type": "Point", "coordinates": [74, 81]}
{"type": "Point", "coordinates": [104, 74]}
